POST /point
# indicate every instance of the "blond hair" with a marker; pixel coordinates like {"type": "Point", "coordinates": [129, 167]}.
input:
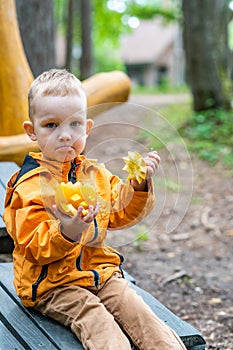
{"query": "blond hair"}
{"type": "Point", "coordinates": [55, 82]}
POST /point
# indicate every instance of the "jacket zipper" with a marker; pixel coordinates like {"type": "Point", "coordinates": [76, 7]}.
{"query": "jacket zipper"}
{"type": "Point", "coordinates": [72, 178]}
{"type": "Point", "coordinates": [43, 275]}
{"type": "Point", "coordinates": [79, 262]}
{"type": "Point", "coordinates": [96, 232]}
{"type": "Point", "coordinates": [72, 173]}
{"type": "Point", "coordinates": [95, 273]}
{"type": "Point", "coordinates": [120, 266]}
{"type": "Point", "coordinates": [96, 277]}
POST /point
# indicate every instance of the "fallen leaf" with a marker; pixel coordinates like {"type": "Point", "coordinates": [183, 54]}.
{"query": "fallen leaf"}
{"type": "Point", "coordinates": [229, 233]}
{"type": "Point", "coordinates": [215, 301]}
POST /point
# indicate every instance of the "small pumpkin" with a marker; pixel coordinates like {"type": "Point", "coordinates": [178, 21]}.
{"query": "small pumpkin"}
{"type": "Point", "coordinates": [69, 196]}
{"type": "Point", "coordinates": [135, 165]}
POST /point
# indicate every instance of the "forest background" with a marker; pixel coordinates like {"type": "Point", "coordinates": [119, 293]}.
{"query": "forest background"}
{"type": "Point", "coordinates": [202, 244]}
{"type": "Point", "coordinates": [93, 30]}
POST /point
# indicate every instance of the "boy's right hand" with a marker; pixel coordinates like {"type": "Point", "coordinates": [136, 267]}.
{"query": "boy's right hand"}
{"type": "Point", "coordinates": [73, 226]}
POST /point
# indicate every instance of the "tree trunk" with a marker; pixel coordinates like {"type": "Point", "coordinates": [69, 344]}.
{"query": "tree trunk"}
{"type": "Point", "coordinates": [86, 57]}
{"type": "Point", "coordinates": [207, 53]}
{"type": "Point", "coordinates": [36, 24]}
{"type": "Point", "coordinates": [69, 35]}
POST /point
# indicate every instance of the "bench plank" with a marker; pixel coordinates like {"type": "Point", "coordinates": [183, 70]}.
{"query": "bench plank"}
{"type": "Point", "coordinates": [58, 334]}
{"type": "Point", "coordinates": [8, 341]}
{"type": "Point", "coordinates": [20, 325]}
{"type": "Point", "coordinates": [190, 336]}
{"type": "Point", "coordinates": [2, 196]}
{"type": "Point", "coordinates": [186, 332]}
{"type": "Point", "coordinates": [6, 170]}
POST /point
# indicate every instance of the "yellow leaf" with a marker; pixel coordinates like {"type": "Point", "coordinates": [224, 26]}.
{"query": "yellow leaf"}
{"type": "Point", "coordinates": [135, 165]}
{"type": "Point", "coordinates": [215, 300]}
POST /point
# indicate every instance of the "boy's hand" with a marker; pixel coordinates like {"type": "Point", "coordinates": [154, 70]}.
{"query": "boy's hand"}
{"type": "Point", "coordinates": [73, 226]}
{"type": "Point", "coordinates": [152, 161]}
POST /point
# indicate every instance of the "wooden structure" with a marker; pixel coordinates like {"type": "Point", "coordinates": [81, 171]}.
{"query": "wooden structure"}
{"type": "Point", "coordinates": [15, 73]}
{"type": "Point", "coordinates": [22, 328]}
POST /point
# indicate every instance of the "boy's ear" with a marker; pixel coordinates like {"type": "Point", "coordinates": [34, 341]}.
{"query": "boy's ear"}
{"type": "Point", "coordinates": [29, 128]}
{"type": "Point", "coordinates": [90, 124]}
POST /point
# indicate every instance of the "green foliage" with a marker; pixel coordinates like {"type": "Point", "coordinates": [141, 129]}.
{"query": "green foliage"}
{"type": "Point", "coordinates": [210, 136]}
{"type": "Point", "coordinates": [207, 134]}
{"type": "Point", "coordinates": [149, 9]}
{"type": "Point", "coordinates": [168, 183]}
{"type": "Point", "coordinates": [108, 25]}
{"type": "Point", "coordinates": [196, 200]}
{"type": "Point", "coordinates": [106, 63]}
{"type": "Point", "coordinates": [165, 87]}
{"type": "Point", "coordinates": [141, 237]}
{"type": "Point", "coordinates": [175, 114]}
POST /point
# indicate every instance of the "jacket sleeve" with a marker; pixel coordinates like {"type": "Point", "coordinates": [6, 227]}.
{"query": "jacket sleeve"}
{"type": "Point", "coordinates": [34, 230]}
{"type": "Point", "coordinates": [128, 207]}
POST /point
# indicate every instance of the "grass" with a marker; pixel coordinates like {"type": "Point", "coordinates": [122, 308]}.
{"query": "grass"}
{"type": "Point", "coordinates": [210, 136]}
{"type": "Point", "coordinates": [141, 237]}
{"type": "Point", "coordinates": [160, 89]}
{"type": "Point", "coordinates": [207, 134]}
{"type": "Point", "coordinates": [173, 117]}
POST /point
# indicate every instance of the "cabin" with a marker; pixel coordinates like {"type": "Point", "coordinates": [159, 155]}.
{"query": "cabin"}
{"type": "Point", "coordinates": [153, 53]}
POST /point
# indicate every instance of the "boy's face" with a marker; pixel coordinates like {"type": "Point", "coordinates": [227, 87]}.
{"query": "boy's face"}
{"type": "Point", "coordinates": [59, 126]}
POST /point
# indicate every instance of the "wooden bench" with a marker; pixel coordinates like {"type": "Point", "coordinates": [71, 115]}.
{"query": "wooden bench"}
{"type": "Point", "coordinates": [22, 328]}
{"type": "Point", "coordinates": [6, 170]}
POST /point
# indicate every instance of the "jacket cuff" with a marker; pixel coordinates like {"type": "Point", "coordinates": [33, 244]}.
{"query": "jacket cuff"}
{"type": "Point", "coordinates": [79, 235]}
{"type": "Point", "coordinates": [59, 237]}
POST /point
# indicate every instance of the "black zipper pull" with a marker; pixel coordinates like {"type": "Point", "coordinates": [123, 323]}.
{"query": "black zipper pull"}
{"type": "Point", "coordinates": [72, 173]}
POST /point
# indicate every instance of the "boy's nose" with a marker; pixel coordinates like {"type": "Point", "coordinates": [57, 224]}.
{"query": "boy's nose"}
{"type": "Point", "coordinates": [64, 136]}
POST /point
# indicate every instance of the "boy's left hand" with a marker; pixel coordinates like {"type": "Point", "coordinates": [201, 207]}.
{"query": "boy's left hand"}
{"type": "Point", "coordinates": [72, 226]}
{"type": "Point", "coordinates": [152, 161]}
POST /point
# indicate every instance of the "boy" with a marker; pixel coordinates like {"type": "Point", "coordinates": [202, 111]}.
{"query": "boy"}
{"type": "Point", "coordinates": [62, 266]}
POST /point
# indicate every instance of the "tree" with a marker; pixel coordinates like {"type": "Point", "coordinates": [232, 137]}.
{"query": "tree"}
{"type": "Point", "coordinates": [69, 35]}
{"type": "Point", "coordinates": [86, 62]}
{"type": "Point", "coordinates": [207, 53]}
{"type": "Point", "coordinates": [36, 24]}
{"type": "Point", "coordinates": [98, 26]}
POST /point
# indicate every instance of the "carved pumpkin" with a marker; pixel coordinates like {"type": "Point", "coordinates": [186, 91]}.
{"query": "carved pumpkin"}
{"type": "Point", "coordinates": [69, 196]}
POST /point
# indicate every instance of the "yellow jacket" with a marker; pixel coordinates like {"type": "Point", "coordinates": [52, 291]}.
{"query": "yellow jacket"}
{"type": "Point", "coordinates": [43, 258]}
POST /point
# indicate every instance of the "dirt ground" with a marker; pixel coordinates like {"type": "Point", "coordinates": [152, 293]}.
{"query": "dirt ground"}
{"type": "Point", "coordinates": [190, 269]}
{"type": "Point", "coordinates": [186, 259]}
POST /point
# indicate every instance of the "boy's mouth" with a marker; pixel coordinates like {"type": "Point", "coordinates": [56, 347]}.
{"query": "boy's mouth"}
{"type": "Point", "coordinates": [65, 148]}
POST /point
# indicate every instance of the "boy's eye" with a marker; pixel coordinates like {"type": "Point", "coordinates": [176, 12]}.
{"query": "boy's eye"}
{"type": "Point", "coordinates": [51, 125]}
{"type": "Point", "coordinates": [75, 123]}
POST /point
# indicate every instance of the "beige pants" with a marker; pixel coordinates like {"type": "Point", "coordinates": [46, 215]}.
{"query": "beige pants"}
{"type": "Point", "coordinates": [97, 316]}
